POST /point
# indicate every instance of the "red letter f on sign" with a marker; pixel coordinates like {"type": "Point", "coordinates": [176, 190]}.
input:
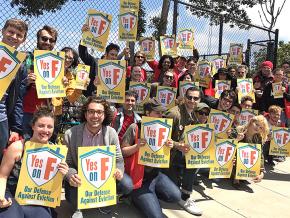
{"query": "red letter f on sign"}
{"type": "Point", "coordinates": [3, 62]}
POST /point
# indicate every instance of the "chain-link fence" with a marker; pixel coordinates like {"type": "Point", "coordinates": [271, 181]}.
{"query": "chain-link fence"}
{"type": "Point", "coordinates": [70, 18]}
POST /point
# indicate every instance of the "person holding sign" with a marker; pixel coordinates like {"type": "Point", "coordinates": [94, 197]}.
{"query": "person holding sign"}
{"type": "Point", "coordinates": [223, 74]}
{"type": "Point", "coordinates": [224, 103]}
{"type": "Point", "coordinates": [42, 125]}
{"type": "Point", "coordinates": [94, 131]}
{"type": "Point", "coordinates": [14, 34]}
{"type": "Point", "coordinates": [135, 75]}
{"type": "Point", "coordinates": [150, 184]}
{"type": "Point", "coordinates": [139, 60]}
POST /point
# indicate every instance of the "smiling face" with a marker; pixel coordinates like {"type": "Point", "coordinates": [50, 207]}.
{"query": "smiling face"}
{"type": "Point", "coordinates": [69, 58]}
{"type": "Point", "coordinates": [136, 74]}
{"type": "Point", "coordinates": [168, 78]}
{"type": "Point", "coordinates": [46, 41]}
{"type": "Point", "coordinates": [225, 103]}
{"type": "Point", "coordinates": [139, 58]}
{"type": "Point", "coordinates": [95, 115]}
{"type": "Point", "coordinates": [130, 103]}
{"type": "Point", "coordinates": [13, 37]}
{"type": "Point", "coordinates": [191, 99]}
{"type": "Point", "coordinates": [42, 129]}
{"type": "Point", "coordinates": [166, 64]}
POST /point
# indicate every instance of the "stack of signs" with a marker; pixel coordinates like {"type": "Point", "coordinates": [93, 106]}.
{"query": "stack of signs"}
{"type": "Point", "coordinates": [217, 63]}
{"type": "Point", "coordinates": [222, 122]}
{"type": "Point", "coordinates": [99, 24]}
{"type": "Point", "coordinates": [200, 139]}
{"type": "Point", "coordinates": [186, 39]}
{"type": "Point", "coordinates": [245, 88]}
{"type": "Point", "coordinates": [49, 71]}
{"type": "Point", "coordinates": [166, 96]}
{"type": "Point", "coordinates": [112, 80]}
{"type": "Point", "coordinates": [156, 132]}
{"type": "Point", "coordinates": [39, 180]}
{"type": "Point", "coordinates": [246, 115]}
{"type": "Point", "coordinates": [220, 86]}
{"type": "Point", "coordinates": [184, 85]}
{"type": "Point", "coordinates": [203, 75]}
{"type": "Point", "coordinates": [82, 76]}
{"type": "Point", "coordinates": [280, 143]}
{"type": "Point", "coordinates": [147, 45]}
{"type": "Point", "coordinates": [143, 91]}
{"type": "Point", "coordinates": [128, 20]}
{"type": "Point", "coordinates": [10, 61]}
{"type": "Point", "coordinates": [224, 153]}
{"type": "Point", "coordinates": [236, 54]}
{"type": "Point", "coordinates": [168, 45]}
{"type": "Point", "coordinates": [248, 161]}
{"type": "Point", "coordinates": [96, 167]}
{"type": "Point", "coordinates": [277, 91]}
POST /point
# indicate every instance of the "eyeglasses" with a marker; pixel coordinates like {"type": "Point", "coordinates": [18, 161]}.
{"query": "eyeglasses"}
{"type": "Point", "coordinates": [169, 77]}
{"type": "Point", "coordinates": [47, 39]}
{"type": "Point", "coordinates": [192, 97]}
{"type": "Point", "coordinates": [93, 112]}
{"type": "Point", "coordinates": [203, 113]}
{"type": "Point", "coordinates": [139, 56]}
{"type": "Point", "coordinates": [68, 58]}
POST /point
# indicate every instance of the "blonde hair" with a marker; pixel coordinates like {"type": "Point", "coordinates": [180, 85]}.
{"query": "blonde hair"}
{"type": "Point", "coordinates": [274, 109]}
{"type": "Point", "coordinates": [261, 120]}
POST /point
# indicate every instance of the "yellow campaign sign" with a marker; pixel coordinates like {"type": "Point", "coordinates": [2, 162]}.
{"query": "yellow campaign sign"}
{"type": "Point", "coordinates": [129, 5]}
{"type": "Point", "coordinates": [245, 88]}
{"type": "Point", "coordinates": [168, 45]}
{"type": "Point", "coordinates": [222, 122]}
{"type": "Point", "coordinates": [40, 181]}
{"type": "Point", "coordinates": [156, 132]}
{"type": "Point", "coordinates": [82, 76]}
{"type": "Point", "coordinates": [112, 80]}
{"type": "Point", "coordinates": [236, 54]}
{"type": "Point", "coordinates": [166, 96]}
{"type": "Point", "coordinates": [200, 139]}
{"type": "Point", "coordinates": [128, 23]}
{"type": "Point", "coordinates": [248, 161]}
{"type": "Point", "coordinates": [203, 75]}
{"type": "Point", "coordinates": [224, 152]}
{"type": "Point", "coordinates": [96, 167]}
{"type": "Point", "coordinates": [99, 24]}
{"type": "Point", "coordinates": [143, 90]}
{"type": "Point", "coordinates": [280, 143]}
{"type": "Point", "coordinates": [217, 63]}
{"type": "Point", "coordinates": [49, 72]}
{"type": "Point", "coordinates": [186, 39]}
{"type": "Point", "coordinates": [184, 85]}
{"type": "Point", "coordinates": [10, 61]}
{"type": "Point", "coordinates": [147, 45]}
{"type": "Point", "coordinates": [246, 115]}
{"type": "Point", "coordinates": [277, 90]}
{"type": "Point", "coordinates": [220, 86]}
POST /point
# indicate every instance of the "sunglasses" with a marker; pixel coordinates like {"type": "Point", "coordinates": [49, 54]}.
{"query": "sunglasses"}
{"type": "Point", "coordinates": [139, 56]}
{"type": "Point", "coordinates": [203, 113]}
{"type": "Point", "coordinates": [47, 39]}
{"type": "Point", "coordinates": [192, 97]}
{"type": "Point", "coordinates": [169, 77]}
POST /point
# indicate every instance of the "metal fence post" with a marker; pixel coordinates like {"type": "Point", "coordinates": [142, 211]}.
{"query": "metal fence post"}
{"type": "Point", "coordinates": [248, 53]}
{"type": "Point", "coordinates": [221, 35]}
{"type": "Point", "coordinates": [175, 14]}
{"type": "Point", "coordinates": [276, 48]}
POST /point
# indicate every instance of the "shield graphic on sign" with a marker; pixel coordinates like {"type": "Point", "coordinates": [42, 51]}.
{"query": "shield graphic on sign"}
{"type": "Point", "coordinates": [147, 45]}
{"type": "Point", "coordinates": [156, 134]}
{"type": "Point", "coordinates": [98, 24]}
{"type": "Point", "coordinates": [283, 139]}
{"type": "Point", "coordinates": [82, 75]}
{"type": "Point", "coordinates": [185, 36]}
{"type": "Point", "coordinates": [142, 90]}
{"type": "Point", "coordinates": [199, 138]}
{"type": "Point", "coordinates": [97, 166]}
{"type": "Point", "coordinates": [221, 122]}
{"type": "Point", "coordinates": [42, 164]}
{"type": "Point", "coordinates": [166, 96]}
{"type": "Point", "coordinates": [111, 74]}
{"type": "Point", "coordinates": [168, 42]}
{"type": "Point", "coordinates": [224, 152]}
{"type": "Point", "coordinates": [8, 62]}
{"type": "Point", "coordinates": [49, 66]}
{"type": "Point", "coordinates": [128, 21]}
{"type": "Point", "coordinates": [248, 155]}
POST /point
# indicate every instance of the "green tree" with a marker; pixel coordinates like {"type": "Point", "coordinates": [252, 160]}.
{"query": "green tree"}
{"type": "Point", "coordinates": [283, 52]}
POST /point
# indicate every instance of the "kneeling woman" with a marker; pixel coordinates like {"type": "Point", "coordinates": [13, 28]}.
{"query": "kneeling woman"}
{"type": "Point", "coordinates": [42, 126]}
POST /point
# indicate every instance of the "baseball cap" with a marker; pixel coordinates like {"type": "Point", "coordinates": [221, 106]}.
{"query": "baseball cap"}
{"type": "Point", "coordinates": [201, 106]}
{"type": "Point", "coordinates": [267, 64]}
{"type": "Point", "coordinates": [154, 105]}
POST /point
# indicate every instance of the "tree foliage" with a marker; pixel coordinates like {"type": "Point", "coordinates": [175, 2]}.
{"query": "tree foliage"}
{"type": "Point", "coordinates": [283, 52]}
{"type": "Point", "coordinates": [141, 20]}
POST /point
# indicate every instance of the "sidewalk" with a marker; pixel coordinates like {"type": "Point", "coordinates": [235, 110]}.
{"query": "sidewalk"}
{"type": "Point", "coordinates": [270, 198]}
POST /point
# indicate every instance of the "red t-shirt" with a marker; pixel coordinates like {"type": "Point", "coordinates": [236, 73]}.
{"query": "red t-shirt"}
{"type": "Point", "coordinates": [31, 101]}
{"type": "Point", "coordinates": [128, 120]}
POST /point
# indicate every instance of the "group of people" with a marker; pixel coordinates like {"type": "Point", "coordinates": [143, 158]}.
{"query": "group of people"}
{"type": "Point", "coordinates": [23, 116]}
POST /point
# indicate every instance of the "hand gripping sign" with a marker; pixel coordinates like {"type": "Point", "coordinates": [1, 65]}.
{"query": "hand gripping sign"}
{"type": "Point", "coordinates": [147, 45]}
{"type": "Point", "coordinates": [166, 96]}
{"type": "Point", "coordinates": [248, 161]}
{"type": "Point", "coordinates": [112, 77]}
{"type": "Point", "coordinates": [39, 180]}
{"type": "Point", "coordinates": [200, 138]}
{"type": "Point", "coordinates": [156, 132]}
{"type": "Point", "coordinates": [128, 23]}
{"type": "Point", "coordinates": [224, 153]}
{"type": "Point", "coordinates": [236, 54]}
{"type": "Point", "coordinates": [10, 61]}
{"type": "Point", "coordinates": [186, 39]}
{"type": "Point", "coordinates": [99, 24]}
{"type": "Point", "coordinates": [82, 76]}
{"type": "Point", "coordinates": [222, 122]}
{"type": "Point", "coordinates": [49, 71]}
{"type": "Point", "coordinates": [203, 75]}
{"type": "Point", "coordinates": [96, 167]}
{"type": "Point", "coordinates": [220, 86]}
{"type": "Point", "coordinates": [280, 143]}
{"type": "Point", "coordinates": [245, 88]}
{"type": "Point", "coordinates": [246, 115]}
{"type": "Point", "coordinates": [168, 45]}
{"type": "Point", "coordinates": [143, 91]}
{"type": "Point", "coordinates": [184, 85]}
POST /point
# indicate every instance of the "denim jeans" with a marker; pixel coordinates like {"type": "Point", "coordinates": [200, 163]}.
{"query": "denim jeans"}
{"type": "Point", "coordinates": [125, 186]}
{"type": "Point", "coordinates": [4, 134]}
{"type": "Point", "coordinates": [160, 187]}
{"type": "Point", "coordinates": [26, 125]}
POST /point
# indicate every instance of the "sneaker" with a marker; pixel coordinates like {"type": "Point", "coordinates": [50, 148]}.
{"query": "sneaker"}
{"type": "Point", "coordinates": [190, 206]}
{"type": "Point", "coordinates": [77, 214]}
